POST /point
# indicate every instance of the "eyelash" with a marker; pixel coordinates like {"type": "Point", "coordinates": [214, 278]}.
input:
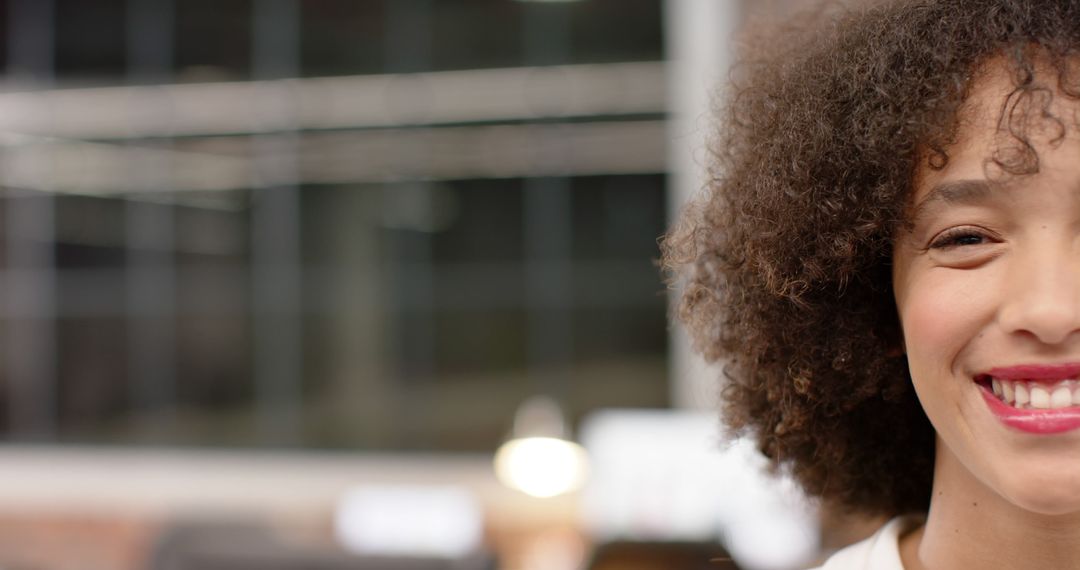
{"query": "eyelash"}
{"type": "Point", "coordinates": [951, 238]}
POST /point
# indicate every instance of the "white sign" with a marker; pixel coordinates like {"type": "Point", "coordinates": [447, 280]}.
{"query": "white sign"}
{"type": "Point", "coordinates": [413, 520]}
{"type": "Point", "coordinates": [667, 475]}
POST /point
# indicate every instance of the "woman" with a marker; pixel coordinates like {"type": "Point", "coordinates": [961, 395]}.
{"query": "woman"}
{"type": "Point", "coordinates": [887, 262]}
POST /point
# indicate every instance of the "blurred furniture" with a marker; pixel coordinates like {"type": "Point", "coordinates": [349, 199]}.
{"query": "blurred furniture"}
{"type": "Point", "coordinates": [248, 547]}
{"type": "Point", "coordinates": [626, 555]}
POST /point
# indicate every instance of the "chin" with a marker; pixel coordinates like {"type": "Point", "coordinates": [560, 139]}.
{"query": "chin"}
{"type": "Point", "coordinates": [1051, 490]}
{"type": "Point", "coordinates": [1040, 504]}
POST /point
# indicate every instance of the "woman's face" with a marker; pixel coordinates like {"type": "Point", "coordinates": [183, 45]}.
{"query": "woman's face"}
{"type": "Point", "coordinates": [987, 286]}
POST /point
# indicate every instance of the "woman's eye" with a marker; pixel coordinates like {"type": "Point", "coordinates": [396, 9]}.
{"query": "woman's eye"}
{"type": "Point", "coordinates": [959, 237]}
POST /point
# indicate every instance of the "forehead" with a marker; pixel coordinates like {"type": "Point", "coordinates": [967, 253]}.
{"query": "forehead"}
{"type": "Point", "coordinates": [1000, 123]}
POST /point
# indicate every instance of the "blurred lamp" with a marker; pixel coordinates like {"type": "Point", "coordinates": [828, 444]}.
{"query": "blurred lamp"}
{"type": "Point", "coordinates": [539, 460]}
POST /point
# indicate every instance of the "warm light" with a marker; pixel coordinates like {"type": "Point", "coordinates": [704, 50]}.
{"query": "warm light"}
{"type": "Point", "coordinates": [541, 466]}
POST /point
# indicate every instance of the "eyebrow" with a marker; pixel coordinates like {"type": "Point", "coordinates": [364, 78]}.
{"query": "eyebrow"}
{"type": "Point", "coordinates": [967, 191]}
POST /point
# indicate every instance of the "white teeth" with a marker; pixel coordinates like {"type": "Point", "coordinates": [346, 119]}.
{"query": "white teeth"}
{"type": "Point", "coordinates": [1021, 395]}
{"type": "Point", "coordinates": [1061, 398]}
{"type": "Point", "coordinates": [1037, 395]}
{"type": "Point", "coordinates": [1040, 398]}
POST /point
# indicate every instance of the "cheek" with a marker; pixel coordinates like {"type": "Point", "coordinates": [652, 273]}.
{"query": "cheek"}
{"type": "Point", "coordinates": [942, 312]}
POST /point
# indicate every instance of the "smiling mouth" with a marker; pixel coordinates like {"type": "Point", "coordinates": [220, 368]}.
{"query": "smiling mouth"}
{"type": "Point", "coordinates": [1034, 394]}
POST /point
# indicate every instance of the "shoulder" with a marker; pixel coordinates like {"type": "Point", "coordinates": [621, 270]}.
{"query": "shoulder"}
{"type": "Point", "coordinates": [879, 552]}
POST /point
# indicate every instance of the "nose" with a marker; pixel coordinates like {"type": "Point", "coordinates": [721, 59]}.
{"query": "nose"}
{"type": "Point", "coordinates": [1042, 298]}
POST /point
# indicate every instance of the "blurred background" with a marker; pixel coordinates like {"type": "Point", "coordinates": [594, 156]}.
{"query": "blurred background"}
{"type": "Point", "coordinates": [362, 284]}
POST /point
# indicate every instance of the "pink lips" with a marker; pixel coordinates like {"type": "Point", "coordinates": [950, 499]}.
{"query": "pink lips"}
{"type": "Point", "coordinates": [1042, 422]}
{"type": "Point", "coordinates": [1051, 372]}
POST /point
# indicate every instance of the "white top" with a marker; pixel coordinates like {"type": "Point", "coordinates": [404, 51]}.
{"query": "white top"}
{"type": "Point", "coordinates": [879, 552]}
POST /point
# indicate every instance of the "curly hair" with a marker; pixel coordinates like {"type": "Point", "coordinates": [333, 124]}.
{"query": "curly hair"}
{"type": "Point", "coordinates": [783, 261]}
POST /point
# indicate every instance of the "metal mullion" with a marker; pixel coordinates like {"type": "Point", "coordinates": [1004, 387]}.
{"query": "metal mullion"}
{"type": "Point", "coordinates": [275, 230]}
{"type": "Point", "coordinates": [150, 228]}
{"type": "Point", "coordinates": [408, 50]}
{"type": "Point", "coordinates": [30, 362]}
{"type": "Point", "coordinates": [548, 283]}
{"type": "Point", "coordinates": [548, 224]}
